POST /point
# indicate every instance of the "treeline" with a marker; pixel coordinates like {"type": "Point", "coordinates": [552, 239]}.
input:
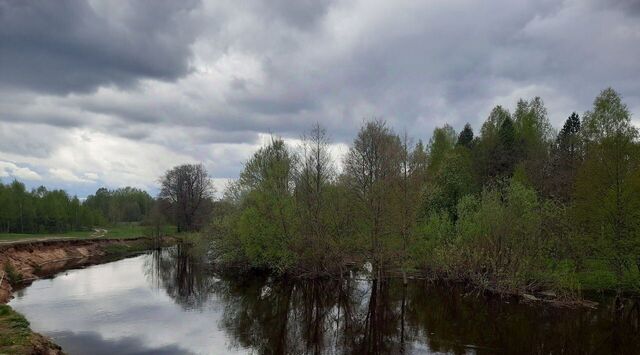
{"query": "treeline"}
{"type": "Point", "coordinates": [42, 210]}
{"type": "Point", "coordinates": [55, 211]}
{"type": "Point", "coordinates": [125, 204]}
{"type": "Point", "coordinates": [515, 207]}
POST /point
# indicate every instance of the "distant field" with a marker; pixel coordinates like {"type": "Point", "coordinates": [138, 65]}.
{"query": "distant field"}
{"type": "Point", "coordinates": [118, 231]}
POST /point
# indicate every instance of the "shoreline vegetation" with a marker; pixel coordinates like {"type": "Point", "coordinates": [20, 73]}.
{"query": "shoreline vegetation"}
{"type": "Point", "coordinates": [519, 208]}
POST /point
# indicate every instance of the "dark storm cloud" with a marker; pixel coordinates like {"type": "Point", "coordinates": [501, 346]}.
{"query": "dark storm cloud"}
{"type": "Point", "coordinates": [27, 140]}
{"type": "Point", "coordinates": [67, 46]}
{"type": "Point", "coordinates": [224, 74]}
{"type": "Point", "coordinates": [629, 6]}
{"type": "Point", "coordinates": [302, 14]}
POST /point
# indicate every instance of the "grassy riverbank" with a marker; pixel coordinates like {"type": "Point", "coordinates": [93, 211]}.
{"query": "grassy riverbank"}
{"type": "Point", "coordinates": [122, 231]}
{"type": "Point", "coordinates": [17, 338]}
{"type": "Point", "coordinates": [16, 335]}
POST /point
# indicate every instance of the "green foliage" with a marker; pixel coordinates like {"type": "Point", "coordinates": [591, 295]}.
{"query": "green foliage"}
{"type": "Point", "coordinates": [125, 204]}
{"type": "Point", "coordinates": [566, 156]}
{"type": "Point", "coordinates": [607, 191]}
{"type": "Point", "coordinates": [264, 230]}
{"type": "Point", "coordinates": [501, 238]}
{"type": "Point", "coordinates": [261, 231]}
{"type": "Point", "coordinates": [12, 275]}
{"type": "Point", "coordinates": [15, 334]}
{"type": "Point", "coordinates": [453, 180]}
{"type": "Point", "coordinates": [42, 211]}
{"type": "Point", "coordinates": [442, 142]}
{"type": "Point", "coordinates": [514, 209]}
{"type": "Point", "coordinates": [465, 138]}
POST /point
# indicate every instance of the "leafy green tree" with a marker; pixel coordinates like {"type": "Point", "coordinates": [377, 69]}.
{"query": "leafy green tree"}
{"type": "Point", "coordinates": [125, 204]}
{"type": "Point", "coordinates": [266, 224]}
{"type": "Point", "coordinates": [441, 143]}
{"type": "Point", "coordinates": [419, 163]}
{"type": "Point", "coordinates": [607, 195]}
{"type": "Point", "coordinates": [534, 139]}
{"type": "Point", "coordinates": [454, 180]}
{"type": "Point", "coordinates": [488, 152]}
{"type": "Point", "coordinates": [372, 170]}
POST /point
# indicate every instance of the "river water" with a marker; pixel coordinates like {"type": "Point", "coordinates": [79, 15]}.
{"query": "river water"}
{"type": "Point", "coordinates": [167, 303]}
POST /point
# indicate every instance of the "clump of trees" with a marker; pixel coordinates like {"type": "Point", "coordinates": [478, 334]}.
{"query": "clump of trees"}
{"type": "Point", "coordinates": [126, 204]}
{"type": "Point", "coordinates": [517, 207]}
{"type": "Point", "coordinates": [42, 210]}
{"type": "Point", "coordinates": [55, 211]}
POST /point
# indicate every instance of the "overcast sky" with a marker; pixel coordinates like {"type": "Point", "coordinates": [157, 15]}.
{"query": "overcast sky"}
{"type": "Point", "coordinates": [113, 93]}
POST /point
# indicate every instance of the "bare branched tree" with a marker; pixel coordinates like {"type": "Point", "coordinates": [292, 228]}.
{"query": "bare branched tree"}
{"type": "Point", "coordinates": [314, 174]}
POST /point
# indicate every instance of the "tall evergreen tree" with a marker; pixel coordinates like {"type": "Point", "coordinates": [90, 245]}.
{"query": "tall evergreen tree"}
{"type": "Point", "coordinates": [465, 138]}
{"type": "Point", "coordinates": [565, 160]}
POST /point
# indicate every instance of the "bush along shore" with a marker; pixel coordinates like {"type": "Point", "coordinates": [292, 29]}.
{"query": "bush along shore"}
{"type": "Point", "coordinates": [518, 208]}
{"type": "Point", "coordinates": [24, 262]}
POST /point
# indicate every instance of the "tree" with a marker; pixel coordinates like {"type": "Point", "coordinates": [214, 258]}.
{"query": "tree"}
{"type": "Point", "coordinates": [126, 204]}
{"type": "Point", "coordinates": [506, 155]}
{"type": "Point", "coordinates": [533, 138]}
{"type": "Point", "coordinates": [607, 195]}
{"type": "Point", "coordinates": [372, 170]}
{"type": "Point", "coordinates": [266, 223]}
{"type": "Point", "coordinates": [313, 177]}
{"type": "Point", "coordinates": [566, 157]}
{"type": "Point", "coordinates": [568, 140]}
{"type": "Point", "coordinates": [419, 162]}
{"type": "Point", "coordinates": [489, 159]}
{"type": "Point", "coordinates": [465, 138]}
{"type": "Point", "coordinates": [441, 143]}
{"type": "Point", "coordinates": [453, 180]}
{"type": "Point", "coordinates": [188, 188]}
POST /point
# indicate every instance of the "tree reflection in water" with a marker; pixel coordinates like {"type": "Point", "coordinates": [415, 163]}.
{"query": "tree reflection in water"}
{"type": "Point", "coordinates": [353, 316]}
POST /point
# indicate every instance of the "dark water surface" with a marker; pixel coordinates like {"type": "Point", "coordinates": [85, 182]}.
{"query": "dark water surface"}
{"type": "Point", "coordinates": [166, 303]}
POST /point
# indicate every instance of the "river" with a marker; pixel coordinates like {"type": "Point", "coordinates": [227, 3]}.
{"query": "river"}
{"type": "Point", "coordinates": [167, 303]}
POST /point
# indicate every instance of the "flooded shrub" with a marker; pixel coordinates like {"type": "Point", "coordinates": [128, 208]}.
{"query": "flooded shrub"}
{"type": "Point", "coordinates": [501, 238]}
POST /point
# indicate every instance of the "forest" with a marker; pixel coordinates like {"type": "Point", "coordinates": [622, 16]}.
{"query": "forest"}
{"type": "Point", "coordinates": [55, 211]}
{"type": "Point", "coordinates": [517, 206]}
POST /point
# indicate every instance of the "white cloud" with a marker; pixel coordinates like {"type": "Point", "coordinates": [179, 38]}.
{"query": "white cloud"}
{"type": "Point", "coordinates": [66, 175]}
{"type": "Point", "coordinates": [11, 170]}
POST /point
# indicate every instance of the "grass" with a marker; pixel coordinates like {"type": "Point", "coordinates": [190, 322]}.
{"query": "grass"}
{"type": "Point", "coordinates": [15, 335]}
{"type": "Point", "coordinates": [25, 236]}
{"type": "Point", "coordinates": [122, 230]}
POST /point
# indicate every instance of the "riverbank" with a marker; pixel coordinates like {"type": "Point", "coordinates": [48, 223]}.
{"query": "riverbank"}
{"type": "Point", "coordinates": [23, 262]}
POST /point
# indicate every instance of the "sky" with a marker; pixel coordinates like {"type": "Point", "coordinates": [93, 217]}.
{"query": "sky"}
{"type": "Point", "coordinates": [113, 93]}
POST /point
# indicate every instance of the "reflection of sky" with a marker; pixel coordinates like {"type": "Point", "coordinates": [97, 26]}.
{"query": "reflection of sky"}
{"type": "Point", "coordinates": [114, 305]}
